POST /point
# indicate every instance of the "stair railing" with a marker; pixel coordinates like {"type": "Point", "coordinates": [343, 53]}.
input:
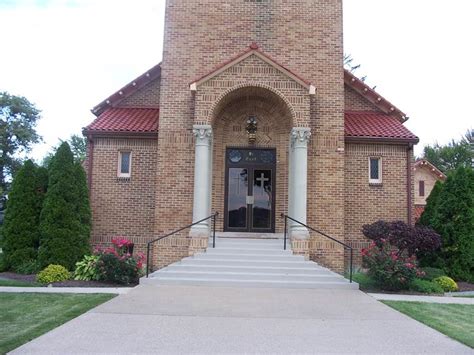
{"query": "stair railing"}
{"type": "Point", "coordinates": [213, 217]}
{"type": "Point", "coordinates": [286, 217]}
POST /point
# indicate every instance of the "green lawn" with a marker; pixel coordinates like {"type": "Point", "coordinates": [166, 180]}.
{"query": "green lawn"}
{"type": "Point", "coordinates": [454, 320]}
{"type": "Point", "coordinates": [25, 316]}
{"type": "Point", "coordinates": [15, 283]}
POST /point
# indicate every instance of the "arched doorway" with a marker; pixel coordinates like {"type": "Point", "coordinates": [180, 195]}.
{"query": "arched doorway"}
{"type": "Point", "coordinates": [250, 168]}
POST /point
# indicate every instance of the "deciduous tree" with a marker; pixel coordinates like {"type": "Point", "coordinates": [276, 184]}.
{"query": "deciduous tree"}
{"type": "Point", "coordinates": [18, 119]}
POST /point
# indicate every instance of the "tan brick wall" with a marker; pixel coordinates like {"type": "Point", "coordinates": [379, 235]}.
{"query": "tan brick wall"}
{"type": "Point", "coordinates": [367, 203]}
{"type": "Point", "coordinates": [147, 96]}
{"type": "Point", "coordinates": [356, 102]}
{"type": "Point", "coordinates": [423, 174]}
{"type": "Point", "coordinates": [304, 37]}
{"type": "Point", "coordinates": [121, 206]}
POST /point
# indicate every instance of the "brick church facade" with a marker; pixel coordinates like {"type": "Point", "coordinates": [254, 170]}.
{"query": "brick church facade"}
{"type": "Point", "coordinates": [250, 114]}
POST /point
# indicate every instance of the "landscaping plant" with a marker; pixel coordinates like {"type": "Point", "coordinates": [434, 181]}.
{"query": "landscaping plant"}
{"type": "Point", "coordinates": [86, 269]}
{"type": "Point", "coordinates": [66, 217]}
{"type": "Point", "coordinates": [431, 273]}
{"type": "Point", "coordinates": [117, 265]}
{"type": "Point", "coordinates": [425, 286]}
{"type": "Point", "coordinates": [390, 268]}
{"type": "Point", "coordinates": [452, 216]}
{"type": "Point", "coordinates": [407, 239]}
{"type": "Point", "coordinates": [22, 219]}
{"type": "Point", "coordinates": [53, 273]}
{"type": "Point", "coordinates": [446, 283]}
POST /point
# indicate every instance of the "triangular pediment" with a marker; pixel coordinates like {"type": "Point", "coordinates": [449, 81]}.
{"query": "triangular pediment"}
{"type": "Point", "coordinates": [253, 50]}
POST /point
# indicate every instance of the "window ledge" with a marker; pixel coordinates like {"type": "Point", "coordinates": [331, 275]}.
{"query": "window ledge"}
{"type": "Point", "coordinates": [375, 183]}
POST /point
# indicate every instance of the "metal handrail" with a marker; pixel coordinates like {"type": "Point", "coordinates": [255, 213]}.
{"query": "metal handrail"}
{"type": "Point", "coordinates": [213, 217]}
{"type": "Point", "coordinates": [286, 217]}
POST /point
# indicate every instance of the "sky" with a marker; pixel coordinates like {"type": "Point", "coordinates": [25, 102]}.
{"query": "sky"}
{"type": "Point", "coordinates": [66, 56]}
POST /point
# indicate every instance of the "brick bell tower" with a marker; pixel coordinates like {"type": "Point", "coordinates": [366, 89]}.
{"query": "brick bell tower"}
{"type": "Point", "coordinates": [223, 62]}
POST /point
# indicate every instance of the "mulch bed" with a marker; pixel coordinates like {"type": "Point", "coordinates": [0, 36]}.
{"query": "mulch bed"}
{"type": "Point", "coordinates": [68, 283]}
{"type": "Point", "coordinates": [465, 286]}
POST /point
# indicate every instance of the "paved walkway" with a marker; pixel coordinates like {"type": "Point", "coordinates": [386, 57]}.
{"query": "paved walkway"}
{"type": "Point", "coordinates": [112, 290]}
{"type": "Point", "coordinates": [178, 319]}
{"type": "Point", "coordinates": [429, 299]}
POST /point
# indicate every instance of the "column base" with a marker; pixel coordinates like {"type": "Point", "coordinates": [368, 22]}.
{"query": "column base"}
{"type": "Point", "coordinates": [199, 239]}
{"type": "Point", "coordinates": [300, 247]}
{"type": "Point", "coordinates": [299, 232]}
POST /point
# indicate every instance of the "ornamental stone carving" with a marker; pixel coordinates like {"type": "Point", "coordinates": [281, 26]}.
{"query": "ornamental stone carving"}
{"type": "Point", "coordinates": [300, 137]}
{"type": "Point", "coordinates": [203, 134]}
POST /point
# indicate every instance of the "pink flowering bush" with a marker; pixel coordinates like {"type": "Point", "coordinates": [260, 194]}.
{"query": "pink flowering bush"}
{"type": "Point", "coordinates": [117, 264]}
{"type": "Point", "coordinates": [391, 268]}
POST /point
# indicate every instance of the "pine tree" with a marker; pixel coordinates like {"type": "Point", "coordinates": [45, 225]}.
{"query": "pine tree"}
{"type": "Point", "coordinates": [22, 216]}
{"type": "Point", "coordinates": [454, 221]}
{"type": "Point", "coordinates": [65, 218]}
{"type": "Point", "coordinates": [431, 205]}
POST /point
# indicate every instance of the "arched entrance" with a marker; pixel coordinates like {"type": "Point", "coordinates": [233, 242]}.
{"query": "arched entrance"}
{"type": "Point", "coordinates": [251, 137]}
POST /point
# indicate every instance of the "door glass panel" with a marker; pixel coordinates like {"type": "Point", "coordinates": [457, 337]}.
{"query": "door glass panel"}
{"type": "Point", "coordinates": [237, 197]}
{"type": "Point", "coordinates": [262, 193]}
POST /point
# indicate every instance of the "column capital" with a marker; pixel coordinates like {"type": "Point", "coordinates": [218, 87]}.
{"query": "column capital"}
{"type": "Point", "coordinates": [300, 137]}
{"type": "Point", "coordinates": [203, 134]}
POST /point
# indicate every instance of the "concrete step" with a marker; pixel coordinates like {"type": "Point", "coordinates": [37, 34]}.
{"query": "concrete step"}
{"type": "Point", "coordinates": [326, 277]}
{"type": "Point", "coordinates": [248, 263]}
{"type": "Point", "coordinates": [243, 250]}
{"type": "Point", "coordinates": [248, 256]}
{"type": "Point", "coordinates": [249, 283]}
{"type": "Point", "coordinates": [241, 262]}
{"type": "Point", "coordinates": [312, 270]}
{"type": "Point", "coordinates": [225, 241]}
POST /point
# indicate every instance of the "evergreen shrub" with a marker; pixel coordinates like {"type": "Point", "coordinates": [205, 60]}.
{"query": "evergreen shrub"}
{"type": "Point", "coordinates": [447, 283]}
{"type": "Point", "coordinates": [20, 231]}
{"type": "Point", "coordinates": [53, 273]}
{"type": "Point", "coordinates": [65, 218]}
{"type": "Point", "coordinates": [425, 286]}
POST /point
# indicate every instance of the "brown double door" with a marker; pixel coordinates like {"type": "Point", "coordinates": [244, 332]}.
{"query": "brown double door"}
{"type": "Point", "coordinates": [250, 190]}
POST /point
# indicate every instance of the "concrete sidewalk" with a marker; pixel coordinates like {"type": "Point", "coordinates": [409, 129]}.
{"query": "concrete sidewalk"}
{"type": "Point", "coordinates": [178, 319]}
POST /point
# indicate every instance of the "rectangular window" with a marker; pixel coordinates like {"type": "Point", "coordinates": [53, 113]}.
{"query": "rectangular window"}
{"type": "Point", "coordinates": [124, 164]}
{"type": "Point", "coordinates": [421, 188]}
{"type": "Point", "coordinates": [375, 170]}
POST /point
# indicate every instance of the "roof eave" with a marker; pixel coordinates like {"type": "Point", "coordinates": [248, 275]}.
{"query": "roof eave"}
{"type": "Point", "coordinates": [117, 134]}
{"type": "Point", "coordinates": [373, 97]}
{"type": "Point", "coordinates": [384, 140]}
{"type": "Point", "coordinates": [128, 90]}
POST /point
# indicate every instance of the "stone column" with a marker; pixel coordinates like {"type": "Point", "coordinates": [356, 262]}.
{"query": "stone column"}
{"type": "Point", "coordinates": [299, 181]}
{"type": "Point", "coordinates": [202, 186]}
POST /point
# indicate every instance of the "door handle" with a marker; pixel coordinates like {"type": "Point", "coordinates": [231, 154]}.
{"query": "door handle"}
{"type": "Point", "coordinates": [250, 200]}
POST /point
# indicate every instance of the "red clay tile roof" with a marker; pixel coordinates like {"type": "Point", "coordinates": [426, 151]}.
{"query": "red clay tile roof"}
{"type": "Point", "coordinates": [134, 120]}
{"type": "Point", "coordinates": [361, 124]}
{"type": "Point", "coordinates": [358, 124]}
{"type": "Point", "coordinates": [419, 209]}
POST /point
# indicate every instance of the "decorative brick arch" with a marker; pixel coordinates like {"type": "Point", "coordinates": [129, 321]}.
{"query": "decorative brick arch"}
{"type": "Point", "coordinates": [220, 102]}
{"type": "Point", "coordinates": [252, 71]}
